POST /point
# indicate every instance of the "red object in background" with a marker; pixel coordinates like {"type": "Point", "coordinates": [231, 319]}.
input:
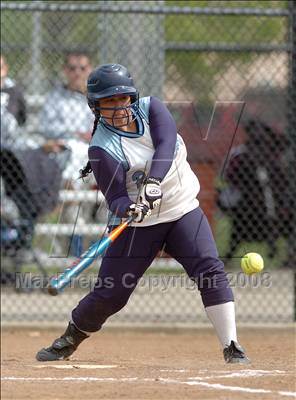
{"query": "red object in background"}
{"type": "Point", "coordinates": [208, 140]}
{"type": "Point", "coordinates": [207, 196]}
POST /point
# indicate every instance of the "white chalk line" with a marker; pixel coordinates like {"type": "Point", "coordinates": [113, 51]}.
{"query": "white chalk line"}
{"type": "Point", "coordinates": [292, 394]}
{"type": "Point", "coordinates": [67, 378]}
{"type": "Point", "coordinates": [75, 366]}
{"type": "Point", "coordinates": [247, 373]}
{"type": "Point", "coordinates": [199, 382]}
{"type": "Point", "coordinates": [218, 386]}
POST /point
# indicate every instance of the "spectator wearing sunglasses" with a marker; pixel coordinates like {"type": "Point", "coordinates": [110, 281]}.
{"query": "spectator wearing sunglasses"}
{"type": "Point", "coordinates": [66, 120]}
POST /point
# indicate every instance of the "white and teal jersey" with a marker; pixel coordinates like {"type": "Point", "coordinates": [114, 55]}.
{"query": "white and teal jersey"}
{"type": "Point", "coordinates": [135, 151]}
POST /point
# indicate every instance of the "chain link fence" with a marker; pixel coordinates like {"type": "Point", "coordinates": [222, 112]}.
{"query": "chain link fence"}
{"type": "Point", "coordinates": [226, 70]}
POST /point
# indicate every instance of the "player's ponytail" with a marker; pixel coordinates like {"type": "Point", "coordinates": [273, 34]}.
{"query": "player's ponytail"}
{"type": "Point", "coordinates": [88, 169]}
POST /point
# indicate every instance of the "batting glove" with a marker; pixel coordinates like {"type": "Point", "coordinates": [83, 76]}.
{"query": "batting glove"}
{"type": "Point", "coordinates": [139, 211]}
{"type": "Point", "coordinates": [151, 193]}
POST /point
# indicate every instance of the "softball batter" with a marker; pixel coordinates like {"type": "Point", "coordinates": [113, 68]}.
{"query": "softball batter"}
{"type": "Point", "coordinates": [139, 162]}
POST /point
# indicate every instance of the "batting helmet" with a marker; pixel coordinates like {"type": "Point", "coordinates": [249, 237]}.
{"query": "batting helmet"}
{"type": "Point", "coordinates": [110, 80]}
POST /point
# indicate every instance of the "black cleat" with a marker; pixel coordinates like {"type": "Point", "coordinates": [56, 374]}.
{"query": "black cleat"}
{"type": "Point", "coordinates": [63, 347]}
{"type": "Point", "coordinates": [235, 354]}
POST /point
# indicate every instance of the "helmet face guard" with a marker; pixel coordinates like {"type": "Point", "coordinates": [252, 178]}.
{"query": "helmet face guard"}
{"type": "Point", "coordinates": [130, 114]}
{"type": "Point", "coordinates": [112, 80]}
{"type": "Point", "coordinates": [130, 111]}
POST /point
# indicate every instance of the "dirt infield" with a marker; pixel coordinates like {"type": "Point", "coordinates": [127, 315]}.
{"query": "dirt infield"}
{"type": "Point", "coordinates": [149, 365]}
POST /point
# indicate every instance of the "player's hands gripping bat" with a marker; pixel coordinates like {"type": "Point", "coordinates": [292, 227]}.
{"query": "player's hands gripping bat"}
{"type": "Point", "coordinates": [139, 211]}
{"type": "Point", "coordinates": [151, 193]}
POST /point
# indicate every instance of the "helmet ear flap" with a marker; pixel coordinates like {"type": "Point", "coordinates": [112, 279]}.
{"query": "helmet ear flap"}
{"type": "Point", "coordinates": [94, 109]}
{"type": "Point", "coordinates": [135, 102]}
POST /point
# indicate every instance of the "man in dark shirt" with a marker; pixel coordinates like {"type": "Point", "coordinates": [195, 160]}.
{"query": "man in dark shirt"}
{"type": "Point", "coordinates": [11, 95]}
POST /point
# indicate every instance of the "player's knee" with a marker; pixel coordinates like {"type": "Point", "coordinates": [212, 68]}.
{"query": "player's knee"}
{"type": "Point", "coordinates": [214, 286]}
{"type": "Point", "coordinates": [93, 311]}
{"type": "Point", "coordinates": [114, 304]}
{"type": "Point", "coordinates": [209, 273]}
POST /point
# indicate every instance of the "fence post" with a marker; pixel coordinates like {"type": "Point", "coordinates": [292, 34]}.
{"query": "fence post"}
{"type": "Point", "coordinates": [291, 118]}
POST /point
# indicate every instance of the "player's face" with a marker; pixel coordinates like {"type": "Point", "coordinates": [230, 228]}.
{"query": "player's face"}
{"type": "Point", "coordinates": [114, 110]}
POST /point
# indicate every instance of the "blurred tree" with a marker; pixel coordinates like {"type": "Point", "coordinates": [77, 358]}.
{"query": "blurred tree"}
{"type": "Point", "coordinates": [201, 69]}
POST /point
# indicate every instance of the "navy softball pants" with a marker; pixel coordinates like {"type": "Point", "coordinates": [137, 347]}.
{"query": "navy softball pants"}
{"type": "Point", "coordinates": [189, 240]}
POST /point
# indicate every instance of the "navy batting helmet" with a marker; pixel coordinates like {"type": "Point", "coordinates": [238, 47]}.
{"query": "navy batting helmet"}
{"type": "Point", "coordinates": [110, 80]}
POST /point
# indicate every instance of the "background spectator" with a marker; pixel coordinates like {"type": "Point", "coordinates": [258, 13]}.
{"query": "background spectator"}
{"type": "Point", "coordinates": [12, 98]}
{"type": "Point", "coordinates": [66, 120]}
{"type": "Point", "coordinates": [255, 196]}
{"type": "Point", "coordinates": [66, 123]}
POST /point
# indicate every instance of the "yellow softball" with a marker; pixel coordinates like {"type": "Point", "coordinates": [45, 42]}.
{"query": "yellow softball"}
{"type": "Point", "coordinates": [252, 263]}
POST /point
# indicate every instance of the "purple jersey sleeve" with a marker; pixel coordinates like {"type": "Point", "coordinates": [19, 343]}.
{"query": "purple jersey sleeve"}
{"type": "Point", "coordinates": [110, 177]}
{"type": "Point", "coordinates": [164, 136]}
